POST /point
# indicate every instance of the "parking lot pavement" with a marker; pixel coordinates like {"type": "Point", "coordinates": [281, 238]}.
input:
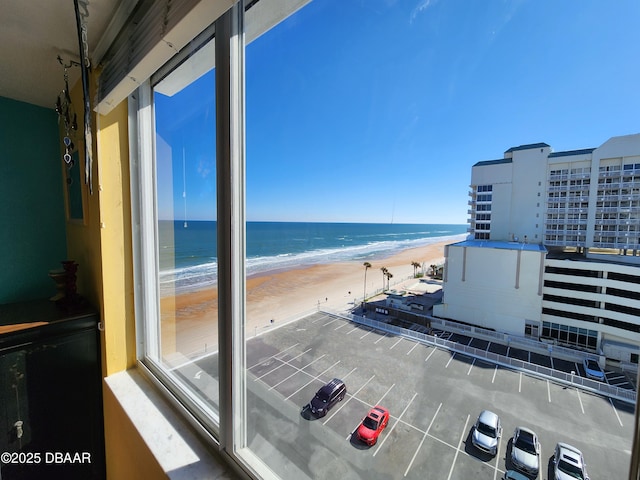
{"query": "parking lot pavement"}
{"type": "Point", "coordinates": [434, 397]}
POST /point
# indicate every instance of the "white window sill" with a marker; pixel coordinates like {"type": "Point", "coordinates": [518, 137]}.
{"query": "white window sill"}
{"type": "Point", "coordinates": [170, 439]}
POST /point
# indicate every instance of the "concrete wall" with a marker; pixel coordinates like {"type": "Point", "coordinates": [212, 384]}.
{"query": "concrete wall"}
{"type": "Point", "coordinates": [485, 287]}
{"type": "Point", "coordinates": [528, 194]}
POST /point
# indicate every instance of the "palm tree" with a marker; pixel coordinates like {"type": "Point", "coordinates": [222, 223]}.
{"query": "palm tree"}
{"type": "Point", "coordinates": [434, 270]}
{"type": "Point", "coordinates": [384, 273]}
{"type": "Point", "coordinates": [415, 266]}
{"type": "Point", "coordinates": [367, 266]}
{"type": "Point", "coordinates": [389, 277]}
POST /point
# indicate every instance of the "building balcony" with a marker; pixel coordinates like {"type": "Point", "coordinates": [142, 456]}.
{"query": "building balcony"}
{"type": "Point", "coordinates": [582, 175]}
{"type": "Point", "coordinates": [610, 174]}
{"type": "Point", "coordinates": [577, 198]}
{"type": "Point", "coordinates": [607, 209]}
{"type": "Point", "coordinates": [558, 176]}
{"type": "Point", "coordinates": [609, 198]}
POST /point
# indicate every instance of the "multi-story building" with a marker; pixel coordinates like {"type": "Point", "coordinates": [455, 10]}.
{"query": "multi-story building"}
{"type": "Point", "coordinates": [553, 249]}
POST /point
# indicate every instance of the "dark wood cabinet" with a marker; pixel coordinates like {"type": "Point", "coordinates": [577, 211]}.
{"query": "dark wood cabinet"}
{"type": "Point", "coordinates": [51, 421]}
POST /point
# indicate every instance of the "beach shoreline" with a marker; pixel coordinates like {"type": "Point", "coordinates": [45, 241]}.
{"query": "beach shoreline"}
{"type": "Point", "coordinates": [276, 297]}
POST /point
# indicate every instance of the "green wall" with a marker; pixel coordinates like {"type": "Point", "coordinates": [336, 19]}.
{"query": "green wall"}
{"type": "Point", "coordinates": [33, 226]}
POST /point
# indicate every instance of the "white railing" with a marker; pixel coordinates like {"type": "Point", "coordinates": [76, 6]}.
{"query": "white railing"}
{"type": "Point", "coordinates": [537, 370]}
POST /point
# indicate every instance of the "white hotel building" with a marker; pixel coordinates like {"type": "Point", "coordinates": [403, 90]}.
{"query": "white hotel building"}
{"type": "Point", "coordinates": [554, 248]}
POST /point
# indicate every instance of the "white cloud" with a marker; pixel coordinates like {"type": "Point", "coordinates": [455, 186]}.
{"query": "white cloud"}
{"type": "Point", "coordinates": [421, 7]}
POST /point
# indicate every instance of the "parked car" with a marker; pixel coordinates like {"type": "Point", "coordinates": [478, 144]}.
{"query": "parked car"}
{"type": "Point", "coordinates": [514, 475]}
{"type": "Point", "coordinates": [568, 463]}
{"type": "Point", "coordinates": [593, 370]}
{"type": "Point", "coordinates": [373, 424]}
{"type": "Point", "coordinates": [487, 432]}
{"type": "Point", "coordinates": [327, 397]}
{"type": "Point", "coordinates": [525, 451]}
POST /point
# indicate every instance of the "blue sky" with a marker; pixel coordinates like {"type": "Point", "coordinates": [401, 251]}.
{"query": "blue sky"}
{"type": "Point", "coordinates": [375, 110]}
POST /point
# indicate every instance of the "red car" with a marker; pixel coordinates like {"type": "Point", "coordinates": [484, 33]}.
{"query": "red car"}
{"type": "Point", "coordinates": [373, 424]}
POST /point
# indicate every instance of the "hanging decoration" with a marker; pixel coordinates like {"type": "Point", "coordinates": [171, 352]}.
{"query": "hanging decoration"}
{"type": "Point", "coordinates": [67, 114]}
{"type": "Point", "coordinates": [64, 106]}
{"type": "Point", "coordinates": [85, 66]}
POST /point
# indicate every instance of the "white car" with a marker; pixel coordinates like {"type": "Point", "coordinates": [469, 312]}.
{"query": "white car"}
{"type": "Point", "coordinates": [593, 370]}
{"type": "Point", "coordinates": [568, 463]}
{"type": "Point", "coordinates": [525, 451]}
{"type": "Point", "coordinates": [487, 432]}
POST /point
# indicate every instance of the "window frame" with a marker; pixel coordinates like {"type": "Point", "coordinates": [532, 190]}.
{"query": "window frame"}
{"type": "Point", "coordinates": [225, 429]}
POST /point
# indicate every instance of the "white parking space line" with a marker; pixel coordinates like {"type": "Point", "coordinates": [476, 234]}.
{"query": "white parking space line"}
{"type": "Point", "coordinates": [399, 340]}
{"type": "Point", "coordinates": [495, 467]}
{"type": "Point", "coordinates": [330, 322]}
{"type": "Point", "coordinates": [549, 391]}
{"type": "Point", "coordinates": [411, 350]}
{"type": "Point", "coordinates": [380, 338]}
{"type": "Point", "coordinates": [580, 400]}
{"type": "Point", "coordinates": [313, 380]}
{"type": "Point", "coordinates": [452, 357]}
{"type": "Point", "coordinates": [385, 394]}
{"type": "Point", "coordinates": [347, 375]}
{"type": "Point", "coordinates": [422, 441]}
{"type": "Point", "coordinates": [520, 383]}
{"type": "Point", "coordinates": [471, 366]}
{"type": "Point", "coordinates": [281, 365]}
{"type": "Point", "coordinates": [616, 412]}
{"type": "Point", "coordinates": [344, 324]}
{"type": "Point", "coordinates": [432, 352]}
{"type": "Point", "coordinates": [353, 395]}
{"type": "Point", "coordinates": [273, 356]}
{"type": "Point", "coordinates": [298, 370]}
{"type": "Point", "coordinates": [394, 425]}
{"type": "Point", "coordinates": [495, 370]}
{"type": "Point", "coordinates": [366, 334]}
{"type": "Point", "coordinates": [455, 457]}
{"type": "Point", "coordinates": [353, 330]}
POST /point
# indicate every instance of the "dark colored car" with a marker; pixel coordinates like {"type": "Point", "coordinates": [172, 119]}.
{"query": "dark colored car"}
{"type": "Point", "coordinates": [373, 424]}
{"type": "Point", "coordinates": [327, 397]}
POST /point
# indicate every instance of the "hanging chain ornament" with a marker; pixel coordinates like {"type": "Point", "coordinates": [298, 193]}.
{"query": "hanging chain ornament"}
{"type": "Point", "coordinates": [85, 66]}
{"type": "Point", "coordinates": [67, 114]}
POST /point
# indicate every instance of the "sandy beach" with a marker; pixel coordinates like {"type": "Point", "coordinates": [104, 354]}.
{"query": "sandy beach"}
{"type": "Point", "coordinates": [275, 298]}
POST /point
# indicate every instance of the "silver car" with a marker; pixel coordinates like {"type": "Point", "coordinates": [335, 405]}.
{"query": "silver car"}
{"type": "Point", "coordinates": [487, 432]}
{"type": "Point", "coordinates": [568, 463]}
{"type": "Point", "coordinates": [525, 451]}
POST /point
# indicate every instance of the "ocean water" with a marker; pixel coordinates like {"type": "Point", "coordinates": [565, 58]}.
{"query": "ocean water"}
{"type": "Point", "coordinates": [188, 255]}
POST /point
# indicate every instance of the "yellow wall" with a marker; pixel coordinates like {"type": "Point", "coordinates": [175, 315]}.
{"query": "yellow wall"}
{"type": "Point", "coordinates": [115, 239]}
{"type": "Point", "coordinates": [127, 454]}
{"type": "Point", "coordinates": [102, 246]}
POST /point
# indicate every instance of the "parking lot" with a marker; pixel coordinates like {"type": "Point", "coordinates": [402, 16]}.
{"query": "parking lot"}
{"type": "Point", "coordinates": [434, 397]}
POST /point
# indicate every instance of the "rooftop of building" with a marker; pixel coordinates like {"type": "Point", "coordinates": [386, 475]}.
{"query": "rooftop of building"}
{"type": "Point", "coordinates": [584, 151]}
{"type": "Point", "coordinates": [494, 162]}
{"type": "Point", "coordinates": [527, 147]}
{"type": "Point", "coordinates": [504, 245]}
{"type": "Point", "coordinates": [595, 256]}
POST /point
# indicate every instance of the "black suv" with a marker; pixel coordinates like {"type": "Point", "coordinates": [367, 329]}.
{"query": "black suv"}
{"type": "Point", "coordinates": [327, 397]}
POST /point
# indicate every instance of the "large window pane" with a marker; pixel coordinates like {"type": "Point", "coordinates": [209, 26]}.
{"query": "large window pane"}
{"type": "Point", "coordinates": [185, 167]}
{"type": "Point", "coordinates": [363, 120]}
